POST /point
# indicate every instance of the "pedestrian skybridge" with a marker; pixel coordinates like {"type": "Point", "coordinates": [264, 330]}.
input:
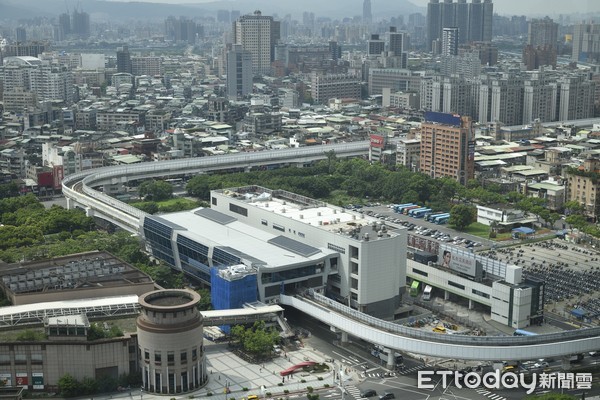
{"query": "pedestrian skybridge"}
{"type": "Point", "coordinates": [460, 347]}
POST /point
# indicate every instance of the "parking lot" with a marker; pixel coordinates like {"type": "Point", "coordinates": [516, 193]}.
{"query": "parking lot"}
{"type": "Point", "coordinates": [419, 226]}
{"type": "Point", "coordinates": [571, 273]}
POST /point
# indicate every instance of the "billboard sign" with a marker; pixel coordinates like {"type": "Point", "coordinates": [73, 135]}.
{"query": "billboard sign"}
{"type": "Point", "coordinates": [5, 380]}
{"type": "Point", "coordinates": [443, 118]}
{"type": "Point", "coordinates": [37, 380]}
{"type": "Point", "coordinates": [471, 152]}
{"type": "Point", "coordinates": [22, 379]}
{"type": "Point", "coordinates": [377, 141]}
{"type": "Point", "coordinates": [58, 173]}
{"type": "Point", "coordinates": [458, 260]}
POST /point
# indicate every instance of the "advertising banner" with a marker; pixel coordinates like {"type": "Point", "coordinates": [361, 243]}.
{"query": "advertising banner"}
{"type": "Point", "coordinates": [37, 380]}
{"type": "Point", "coordinates": [377, 141]}
{"type": "Point", "coordinates": [6, 379]}
{"type": "Point", "coordinates": [22, 379]}
{"type": "Point", "coordinates": [457, 260]}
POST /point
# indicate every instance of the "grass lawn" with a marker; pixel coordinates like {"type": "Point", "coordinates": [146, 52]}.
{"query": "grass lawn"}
{"type": "Point", "coordinates": [477, 229]}
{"type": "Point", "coordinates": [177, 202]}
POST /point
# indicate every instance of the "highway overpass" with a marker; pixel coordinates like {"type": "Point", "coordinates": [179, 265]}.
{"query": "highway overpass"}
{"type": "Point", "coordinates": [79, 190]}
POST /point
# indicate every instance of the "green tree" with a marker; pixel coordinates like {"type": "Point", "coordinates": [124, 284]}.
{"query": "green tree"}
{"type": "Point", "coordinates": [69, 386]}
{"type": "Point", "coordinates": [461, 216]}
{"type": "Point", "coordinates": [151, 207]}
{"type": "Point", "coordinates": [96, 332]}
{"type": "Point", "coordinates": [577, 221]}
{"type": "Point", "coordinates": [205, 300]}
{"type": "Point", "coordinates": [9, 190]}
{"type": "Point", "coordinates": [551, 218]}
{"type": "Point", "coordinates": [155, 190]}
{"type": "Point", "coordinates": [573, 207]}
{"type": "Point", "coordinates": [30, 335]}
{"type": "Point", "coordinates": [88, 386]}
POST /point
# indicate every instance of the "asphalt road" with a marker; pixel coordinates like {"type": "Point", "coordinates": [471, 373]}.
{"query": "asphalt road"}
{"type": "Point", "coordinates": [404, 383]}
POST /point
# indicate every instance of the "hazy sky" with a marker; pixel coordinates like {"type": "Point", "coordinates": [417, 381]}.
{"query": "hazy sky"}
{"type": "Point", "coordinates": [511, 7]}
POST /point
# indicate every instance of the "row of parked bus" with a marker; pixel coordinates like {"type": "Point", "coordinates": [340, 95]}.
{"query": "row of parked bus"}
{"type": "Point", "coordinates": [417, 211]}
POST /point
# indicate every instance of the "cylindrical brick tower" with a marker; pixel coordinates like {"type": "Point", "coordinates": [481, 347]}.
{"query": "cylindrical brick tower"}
{"type": "Point", "coordinates": [170, 341]}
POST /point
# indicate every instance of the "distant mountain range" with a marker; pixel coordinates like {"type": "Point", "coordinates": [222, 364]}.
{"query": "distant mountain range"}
{"type": "Point", "coordinates": [119, 10]}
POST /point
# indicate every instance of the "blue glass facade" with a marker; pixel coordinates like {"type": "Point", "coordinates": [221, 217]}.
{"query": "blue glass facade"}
{"type": "Point", "coordinates": [226, 294]}
{"type": "Point", "coordinates": [221, 257]}
{"type": "Point", "coordinates": [158, 236]}
{"type": "Point", "coordinates": [301, 272]}
{"type": "Point", "coordinates": [194, 258]}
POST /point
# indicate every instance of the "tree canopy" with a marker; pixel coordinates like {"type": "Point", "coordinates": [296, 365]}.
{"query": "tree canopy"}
{"type": "Point", "coordinates": [257, 340]}
{"type": "Point", "coordinates": [461, 216]}
{"type": "Point", "coordinates": [155, 190]}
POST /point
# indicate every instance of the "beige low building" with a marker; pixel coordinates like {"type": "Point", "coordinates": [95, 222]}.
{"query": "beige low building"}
{"type": "Point", "coordinates": [78, 276]}
{"type": "Point", "coordinates": [38, 364]}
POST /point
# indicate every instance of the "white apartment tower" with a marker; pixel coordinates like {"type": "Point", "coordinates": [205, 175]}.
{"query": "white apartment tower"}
{"type": "Point", "coordinates": [257, 34]}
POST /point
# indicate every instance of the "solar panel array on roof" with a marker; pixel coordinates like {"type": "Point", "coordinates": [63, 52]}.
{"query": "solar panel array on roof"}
{"type": "Point", "coordinates": [215, 216]}
{"type": "Point", "coordinates": [168, 223]}
{"type": "Point", "coordinates": [255, 261]}
{"type": "Point", "coordinates": [294, 246]}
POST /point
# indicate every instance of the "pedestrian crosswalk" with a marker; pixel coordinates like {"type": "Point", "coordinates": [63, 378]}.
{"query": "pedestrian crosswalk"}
{"type": "Point", "coordinates": [379, 373]}
{"type": "Point", "coordinates": [353, 391]}
{"type": "Point", "coordinates": [408, 371]}
{"type": "Point", "coordinates": [490, 395]}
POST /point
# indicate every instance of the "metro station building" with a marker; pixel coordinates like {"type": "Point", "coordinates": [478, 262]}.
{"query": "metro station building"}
{"type": "Point", "coordinates": [292, 242]}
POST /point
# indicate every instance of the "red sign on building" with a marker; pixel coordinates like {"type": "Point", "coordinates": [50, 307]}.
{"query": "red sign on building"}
{"type": "Point", "coordinates": [58, 174]}
{"type": "Point", "coordinates": [377, 141]}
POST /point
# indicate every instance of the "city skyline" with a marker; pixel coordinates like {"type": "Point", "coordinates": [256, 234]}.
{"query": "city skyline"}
{"type": "Point", "coordinates": [509, 7]}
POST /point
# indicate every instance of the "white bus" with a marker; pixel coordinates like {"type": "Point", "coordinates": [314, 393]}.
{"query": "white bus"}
{"type": "Point", "coordinates": [427, 293]}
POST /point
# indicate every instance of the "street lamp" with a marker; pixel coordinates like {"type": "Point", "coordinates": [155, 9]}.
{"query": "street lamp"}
{"type": "Point", "coordinates": [341, 381]}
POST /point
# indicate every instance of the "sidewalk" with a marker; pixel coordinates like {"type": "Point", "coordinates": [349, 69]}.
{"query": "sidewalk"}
{"type": "Point", "coordinates": [230, 370]}
{"type": "Point", "coordinates": [237, 374]}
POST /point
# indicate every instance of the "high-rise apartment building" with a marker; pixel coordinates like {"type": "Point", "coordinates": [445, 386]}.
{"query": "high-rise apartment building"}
{"type": "Point", "coordinates": [576, 97]}
{"type": "Point", "coordinates": [537, 56]}
{"type": "Point", "coordinates": [396, 41]}
{"type": "Point", "coordinates": [330, 86]}
{"type": "Point", "coordinates": [582, 186]}
{"type": "Point", "coordinates": [450, 42]}
{"type": "Point", "coordinates": [149, 65]}
{"type": "Point", "coordinates": [23, 76]}
{"type": "Point", "coordinates": [64, 24]}
{"type": "Point", "coordinates": [542, 32]}
{"type": "Point", "coordinates": [123, 60]}
{"type": "Point", "coordinates": [586, 42]}
{"type": "Point", "coordinates": [257, 34]}
{"type": "Point", "coordinates": [447, 147]}
{"type": "Point", "coordinates": [473, 20]}
{"type": "Point", "coordinates": [80, 24]}
{"type": "Point", "coordinates": [182, 30]}
{"type": "Point", "coordinates": [367, 16]}
{"type": "Point", "coordinates": [335, 50]}
{"type": "Point", "coordinates": [239, 72]}
{"type": "Point", "coordinates": [375, 46]}
{"type": "Point", "coordinates": [21, 34]}
{"type": "Point", "coordinates": [26, 49]}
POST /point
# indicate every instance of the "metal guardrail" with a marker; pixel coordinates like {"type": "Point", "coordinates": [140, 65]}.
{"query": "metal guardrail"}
{"type": "Point", "coordinates": [174, 167]}
{"type": "Point", "coordinates": [454, 339]}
